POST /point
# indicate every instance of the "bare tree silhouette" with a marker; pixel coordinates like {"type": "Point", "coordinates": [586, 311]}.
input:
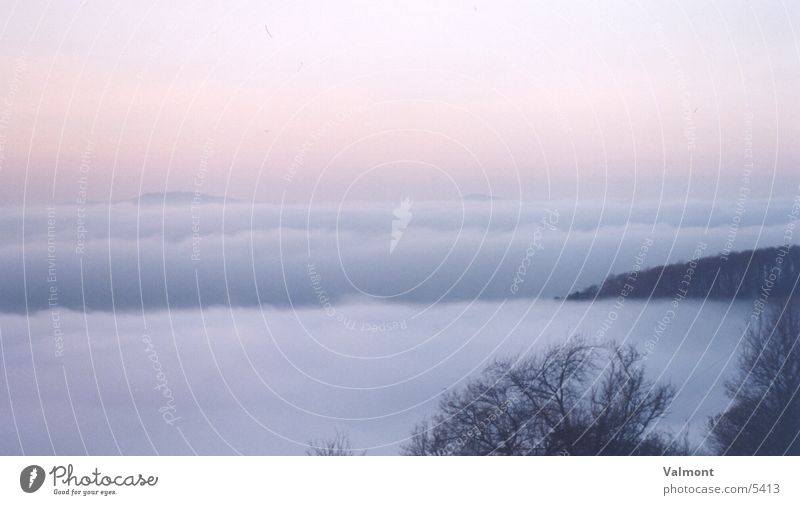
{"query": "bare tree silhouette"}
{"type": "Point", "coordinates": [764, 415]}
{"type": "Point", "coordinates": [572, 399]}
{"type": "Point", "coordinates": [338, 445]}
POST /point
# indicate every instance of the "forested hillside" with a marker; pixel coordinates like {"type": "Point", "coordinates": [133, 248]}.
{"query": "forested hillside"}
{"type": "Point", "coordinates": [749, 274]}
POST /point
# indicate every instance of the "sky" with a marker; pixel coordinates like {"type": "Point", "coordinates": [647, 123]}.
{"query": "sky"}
{"type": "Point", "coordinates": [265, 100]}
{"type": "Point", "coordinates": [297, 218]}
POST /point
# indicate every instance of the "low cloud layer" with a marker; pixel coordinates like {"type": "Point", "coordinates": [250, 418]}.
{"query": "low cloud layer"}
{"type": "Point", "coordinates": [251, 381]}
{"type": "Point", "coordinates": [126, 257]}
{"type": "Point", "coordinates": [238, 328]}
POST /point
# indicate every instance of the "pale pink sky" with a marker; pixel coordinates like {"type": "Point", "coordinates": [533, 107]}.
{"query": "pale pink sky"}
{"type": "Point", "coordinates": [516, 98]}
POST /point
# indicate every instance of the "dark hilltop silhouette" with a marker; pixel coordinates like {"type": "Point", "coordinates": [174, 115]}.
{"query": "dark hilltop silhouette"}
{"type": "Point", "coordinates": [771, 271]}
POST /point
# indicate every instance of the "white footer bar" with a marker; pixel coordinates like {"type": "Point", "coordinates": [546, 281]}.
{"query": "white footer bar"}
{"type": "Point", "coordinates": [353, 480]}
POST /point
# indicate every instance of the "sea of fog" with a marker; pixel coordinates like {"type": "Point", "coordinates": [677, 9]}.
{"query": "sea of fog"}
{"type": "Point", "coordinates": [266, 380]}
{"type": "Point", "coordinates": [178, 327]}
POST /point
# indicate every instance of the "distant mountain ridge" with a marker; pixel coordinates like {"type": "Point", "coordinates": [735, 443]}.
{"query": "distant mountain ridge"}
{"type": "Point", "coordinates": [772, 271]}
{"type": "Point", "coordinates": [178, 198]}
{"type": "Point", "coordinates": [480, 197]}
